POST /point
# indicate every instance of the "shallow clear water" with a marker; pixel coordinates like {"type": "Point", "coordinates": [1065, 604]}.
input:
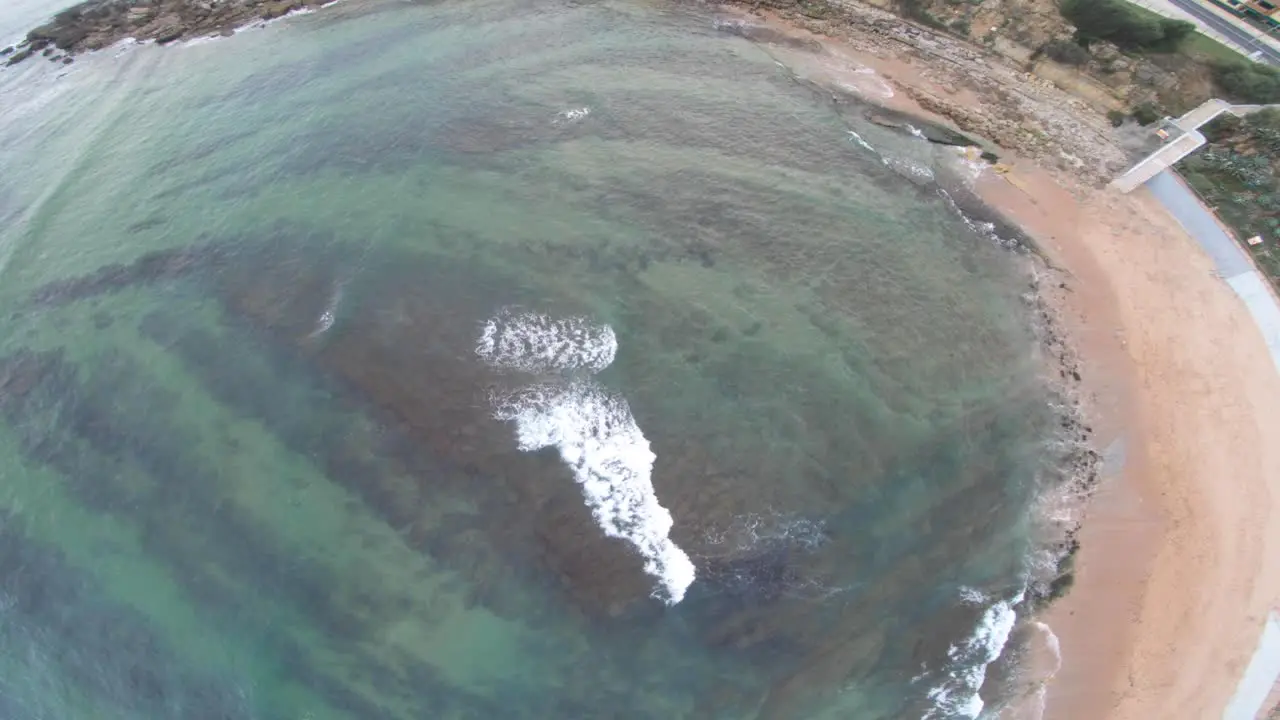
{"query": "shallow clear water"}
{"type": "Point", "coordinates": [254, 466]}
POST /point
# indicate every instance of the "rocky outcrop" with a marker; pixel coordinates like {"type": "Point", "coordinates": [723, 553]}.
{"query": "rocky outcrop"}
{"type": "Point", "coordinates": [933, 132]}
{"type": "Point", "coordinates": [1021, 30]}
{"type": "Point", "coordinates": [95, 24]}
{"type": "Point", "coordinates": [1016, 110]}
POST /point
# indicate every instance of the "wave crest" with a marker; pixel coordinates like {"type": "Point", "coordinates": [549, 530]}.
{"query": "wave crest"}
{"type": "Point", "coordinates": [958, 694]}
{"type": "Point", "coordinates": [537, 343]}
{"type": "Point", "coordinates": [592, 428]}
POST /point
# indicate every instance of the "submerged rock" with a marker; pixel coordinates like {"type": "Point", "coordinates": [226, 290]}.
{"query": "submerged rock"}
{"type": "Point", "coordinates": [20, 56]}
{"type": "Point", "coordinates": [933, 132]}
{"type": "Point", "coordinates": [761, 34]}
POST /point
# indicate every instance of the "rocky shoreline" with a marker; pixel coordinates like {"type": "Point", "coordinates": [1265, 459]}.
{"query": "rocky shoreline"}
{"type": "Point", "coordinates": [1019, 111]}
{"type": "Point", "coordinates": [97, 24]}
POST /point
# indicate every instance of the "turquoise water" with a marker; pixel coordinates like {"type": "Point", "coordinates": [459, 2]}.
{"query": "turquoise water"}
{"type": "Point", "coordinates": [258, 461]}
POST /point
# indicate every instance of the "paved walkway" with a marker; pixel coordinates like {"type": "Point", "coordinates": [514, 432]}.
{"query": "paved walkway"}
{"type": "Point", "coordinates": [1200, 224]}
{"type": "Point", "coordinates": [1234, 266]}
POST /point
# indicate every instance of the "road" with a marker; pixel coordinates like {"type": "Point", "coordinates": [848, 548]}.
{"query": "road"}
{"type": "Point", "coordinates": [1221, 25]}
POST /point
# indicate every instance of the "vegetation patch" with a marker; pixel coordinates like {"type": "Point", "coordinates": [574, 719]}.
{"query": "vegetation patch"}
{"type": "Point", "coordinates": [1236, 173]}
{"type": "Point", "coordinates": [1125, 25]}
{"type": "Point", "coordinates": [1066, 52]}
{"type": "Point", "coordinates": [1246, 81]}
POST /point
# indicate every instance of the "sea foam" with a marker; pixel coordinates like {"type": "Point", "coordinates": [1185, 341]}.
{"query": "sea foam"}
{"type": "Point", "coordinates": [958, 694]}
{"type": "Point", "coordinates": [573, 114]}
{"type": "Point", "coordinates": [599, 440]}
{"type": "Point", "coordinates": [326, 319]}
{"type": "Point", "coordinates": [592, 428]}
{"type": "Point", "coordinates": [537, 343]}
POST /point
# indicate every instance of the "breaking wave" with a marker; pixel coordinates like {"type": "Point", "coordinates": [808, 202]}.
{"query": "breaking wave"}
{"type": "Point", "coordinates": [599, 440]}
{"type": "Point", "coordinates": [592, 428]}
{"type": "Point", "coordinates": [537, 343]}
{"type": "Point", "coordinates": [957, 695]}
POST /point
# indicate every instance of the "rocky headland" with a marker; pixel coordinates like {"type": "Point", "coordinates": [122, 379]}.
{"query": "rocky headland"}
{"type": "Point", "coordinates": [96, 24]}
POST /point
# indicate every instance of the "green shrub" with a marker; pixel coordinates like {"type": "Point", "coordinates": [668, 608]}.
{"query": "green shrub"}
{"type": "Point", "coordinates": [1116, 117]}
{"type": "Point", "coordinates": [1245, 81]}
{"type": "Point", "coordinates": [1147, 113]}
{"type": "Point", "coordinates": [1066, 52]}
{"type": "Point", "coordinates": [1175, 32]}
{"type": "Point", "coordinates": [1125, 25]}
{"type": "Point", "coordinates": [916, 10]}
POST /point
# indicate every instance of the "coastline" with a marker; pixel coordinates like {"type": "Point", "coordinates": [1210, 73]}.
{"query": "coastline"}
{"type": "Point", "coordinates": [1171, 590]}
{"type": "Point", "coordinates": [98, 24]}
{"type": "Point", "coordinates": [1166, 627]}
{"type": "Point", "coordinates": [1176, 389]}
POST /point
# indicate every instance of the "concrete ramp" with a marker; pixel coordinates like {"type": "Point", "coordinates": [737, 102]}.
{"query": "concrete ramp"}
{"type": "Point", "coordinates": [1188, 141]}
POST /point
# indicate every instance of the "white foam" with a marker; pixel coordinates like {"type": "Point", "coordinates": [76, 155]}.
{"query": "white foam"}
{"type": "Point", "coordinates": [984, 229]}
{"type": "Point", "coordinates": [573, 114]}
{"type": "Point", "coordinates": [959, 694]}
{"type": "Point", "coordinates": [253, 24]}
{"type": "Point", "coordinates": [610, 458]}
{"type": "Point", "coordinates": [1039, 703]}
{"type": "Point", "coordinates": [199, 40]}
{"type": "Point", "coordinates": [908, 168]}
{"type": "Point", "coordinates": [858, 139]}
{"type": "Point", "coordinates": [326, 319]}
{"type": "Point", "coordinates": [126, 44]}
{"type": "Point", "coordinates": [1052, 643]}
{"type": "Point", "coordinates": [593, 429]}
{"type": "Point", "coordinates": [970, 163]}
{"type": "Point", "coordinates": [915, 131]}
{"type": "Point", "coordinates": [536, 343]}
{"type": "Point", "coordinates": [873, 85]}
{"type": "Point", "coordinates": [972, 596]}
{"type": "Point", "coordinates": [902, 166]}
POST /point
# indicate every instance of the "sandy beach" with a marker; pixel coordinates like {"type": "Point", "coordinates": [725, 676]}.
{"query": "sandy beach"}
{"type": "Point", "coordinates": [1172, 584]}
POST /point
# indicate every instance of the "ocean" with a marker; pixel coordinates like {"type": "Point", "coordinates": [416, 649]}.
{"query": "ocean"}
{"type": "Point", "coordinates": [500, 359]}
